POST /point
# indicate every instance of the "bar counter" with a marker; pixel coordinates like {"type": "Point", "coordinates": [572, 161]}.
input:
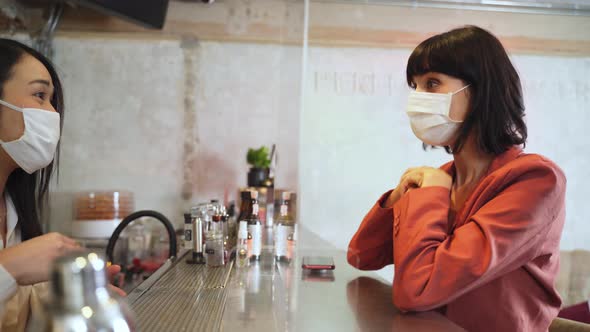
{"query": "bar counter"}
{"type": "Point", "coordinates": [273, 297]}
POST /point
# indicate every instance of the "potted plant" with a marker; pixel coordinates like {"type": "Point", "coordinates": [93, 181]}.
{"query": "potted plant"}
{"type": "Point", "coordinates": [259, 161]}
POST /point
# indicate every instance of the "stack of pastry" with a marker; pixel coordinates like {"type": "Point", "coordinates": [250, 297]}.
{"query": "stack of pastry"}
{"type": "Point", "coordinates": [97, 213]}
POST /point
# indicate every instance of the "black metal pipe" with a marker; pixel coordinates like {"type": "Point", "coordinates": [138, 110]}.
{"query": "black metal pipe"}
{"type": "Point", "coordinates": [139, 214]}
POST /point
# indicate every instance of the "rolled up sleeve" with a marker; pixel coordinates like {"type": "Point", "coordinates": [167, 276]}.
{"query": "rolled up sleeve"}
{"type": "Point", "coordinates": [7, 288]}
{"type": "Point", "coordinates": [371, 247]}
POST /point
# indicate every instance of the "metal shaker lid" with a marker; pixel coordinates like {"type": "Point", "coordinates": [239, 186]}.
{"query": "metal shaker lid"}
{"type": "Point", "coordinates": [77, 279]}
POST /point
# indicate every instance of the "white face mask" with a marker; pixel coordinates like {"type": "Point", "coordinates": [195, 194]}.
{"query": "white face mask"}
{"type": "Point", "coordinates": [430, 119]}
{"type": "Point", "coordinates": [36, 147]}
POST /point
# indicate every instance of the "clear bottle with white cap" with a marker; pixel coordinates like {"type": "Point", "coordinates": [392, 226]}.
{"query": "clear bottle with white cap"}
{"type": "Point", "coordinates": [242, 256]}
{"type": "Point", "coordinates": [254, 229]}
{"type": "Point", "coordinates": [284, 231]}
{"type": "Point", "coordinates": [214, 249]}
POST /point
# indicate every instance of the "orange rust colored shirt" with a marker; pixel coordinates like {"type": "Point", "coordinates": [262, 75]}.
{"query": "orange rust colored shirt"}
{"type": "Point", "coordinates": [493, 267]}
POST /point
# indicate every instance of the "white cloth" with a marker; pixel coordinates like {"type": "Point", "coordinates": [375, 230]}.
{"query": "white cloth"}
{"type": "Point", "coordinates": [8, 285]}
{"type": "Point", "coordinates": [7, 288]}
{"type": "Point", "coordinates": [13, 236]}
{"type": "Point", "coordinates": [19, 305]}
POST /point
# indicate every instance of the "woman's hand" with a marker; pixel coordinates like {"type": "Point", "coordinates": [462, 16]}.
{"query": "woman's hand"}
{"type": "Point", "coordinates": [419, 177]}
{"type": "Point", "coordinates": [422, 177]}
{"type": "Point", "coordinates": [30, 262]}
{"type": "Point", "coordinates": [112, 272]}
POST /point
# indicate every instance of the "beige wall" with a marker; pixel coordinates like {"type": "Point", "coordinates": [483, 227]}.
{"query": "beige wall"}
{"type": "Point", "coordinates": [398, 26]}
{"type": "Point", "coordinates": [349, 24]}
{"type": "Point", "coordinates": [171, 120]}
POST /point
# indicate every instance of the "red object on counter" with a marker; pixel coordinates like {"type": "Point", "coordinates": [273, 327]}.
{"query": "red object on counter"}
{"type": "Point", "coordinates": [146, 266]}
{"type": "Point", "coordinates": [150, 266]}
{"type": "Point", "coordinates": [494, 267]}
{"type": "Point", "coordinates": [579, 312]}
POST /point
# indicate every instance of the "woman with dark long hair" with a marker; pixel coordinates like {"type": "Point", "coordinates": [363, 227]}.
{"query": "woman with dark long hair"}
{"type": "Point", "coordinates": [31, 118]}
{"type": "Point", "coordinates": [478, 238]}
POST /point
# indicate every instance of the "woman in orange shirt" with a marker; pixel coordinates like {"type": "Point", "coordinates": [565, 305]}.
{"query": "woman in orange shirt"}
{"type": "Point", "coordinates": [478, 238]}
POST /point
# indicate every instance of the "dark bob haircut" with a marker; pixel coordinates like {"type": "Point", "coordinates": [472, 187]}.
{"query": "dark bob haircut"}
{"type": "Point", "coordinates": [475, 56]}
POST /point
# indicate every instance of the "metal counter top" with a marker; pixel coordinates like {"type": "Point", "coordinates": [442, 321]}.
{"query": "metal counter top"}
{"type": "Point", "coordinates": [274, 297]}
{"type": "Point", "coordinates": [181, 297]}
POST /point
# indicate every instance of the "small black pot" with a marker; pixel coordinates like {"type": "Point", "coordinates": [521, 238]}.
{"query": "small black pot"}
{"type": "Point", "coordinates": [257, 176]}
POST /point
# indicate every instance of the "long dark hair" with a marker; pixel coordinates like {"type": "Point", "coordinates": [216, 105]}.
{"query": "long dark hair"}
{"type": "Point", "coordinates": [29, 192]}
{"type": "Point", "coordinates": [475, 56]}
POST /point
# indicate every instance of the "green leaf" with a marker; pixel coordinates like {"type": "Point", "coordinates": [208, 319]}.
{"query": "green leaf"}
{"type": "Point", "coordinates": [258, 158]}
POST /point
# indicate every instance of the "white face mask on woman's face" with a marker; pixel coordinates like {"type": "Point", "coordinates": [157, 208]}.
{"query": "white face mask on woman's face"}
{"type": "Point", "coordinates": [35, 149]}
{"type": "Point", "coordinates": [430, 117]}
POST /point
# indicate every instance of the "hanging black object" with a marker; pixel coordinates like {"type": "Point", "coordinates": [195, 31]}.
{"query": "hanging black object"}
{"type": "Point", "coordinates": [149, 13]}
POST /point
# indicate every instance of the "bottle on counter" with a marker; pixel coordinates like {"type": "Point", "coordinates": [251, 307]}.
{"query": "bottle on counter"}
{"type": "Point", "coordinates": [242, 256]}
{"type": "Point", "coordinates": [270, 189]}
{"type": "Point", "coordinates": [245, 205]}
{"type": "Point", "coordinates": [188, 232]}
{"type": "Point", "coordinates": [284, 231]}
{"type": "Point", "coordinates": [221, 215]}
{"type": "Point", "coordinates": [137, 241]}
{"type": "Point", "coordinates": [254, 229]}
{"type": "Point", "coordinates": [209, 211]}
{"type": "Point", "coordinates": [197, 233]}
{"type": "Point", "coordinates": [214, 250]}
{"type": "Point", "coordinates": [232, 227]}
{"type": "Point", "coordinates": [160, 246]}
{"type": "Point", "coordinates": [225, 232]}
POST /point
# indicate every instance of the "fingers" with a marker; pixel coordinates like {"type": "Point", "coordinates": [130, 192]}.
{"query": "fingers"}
{"type": "Point", "coordinates": [411, 180]}
{"type": "Point", "coordinates": [56, 245]}
{"type": "Point", "coordinates": [117, 290]}
{"type": "Point", "coordinates": [112, 271]}
{"type": "Point", "coordinates": [66, 248]}
{"type": "Point", "coordinates": [60, 240]}
{"type": "Point", "coordinates": [409, 170]}
{"type": "Point", "coordinates": [70, 241]}
{"type": "Point", "coordinates": [415, 170]}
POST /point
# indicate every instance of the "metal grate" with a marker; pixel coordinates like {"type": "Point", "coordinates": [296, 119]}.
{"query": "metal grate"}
{"type": "Point", "coordinates": [186, 298]}
{"type": "Point", "coordinates": [193, 277]}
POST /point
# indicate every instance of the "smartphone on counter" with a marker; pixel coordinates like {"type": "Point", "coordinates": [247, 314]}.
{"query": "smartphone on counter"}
{"type": "Point", "coordinates": [318, 263]}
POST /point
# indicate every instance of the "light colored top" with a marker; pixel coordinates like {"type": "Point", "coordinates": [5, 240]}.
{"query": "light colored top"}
{"type": "Point", "coordinates": [19, 305]}
{"type": "Point", "coordinates": [492, 268]}
{"type": "Point", "coordinates": [8, 285]}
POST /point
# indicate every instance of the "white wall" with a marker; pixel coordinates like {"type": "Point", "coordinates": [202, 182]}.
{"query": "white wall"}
{"type": "Point", "coordinates": [356, 139]}
{"type": "Point", "coordinates": [123, 121]}
{"type": "Point", "coordinates": [557, 99]}
{"type": "Point", "coordinates": [247, 96]}
{"type": "Point", "coordinates": [171, 120]}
